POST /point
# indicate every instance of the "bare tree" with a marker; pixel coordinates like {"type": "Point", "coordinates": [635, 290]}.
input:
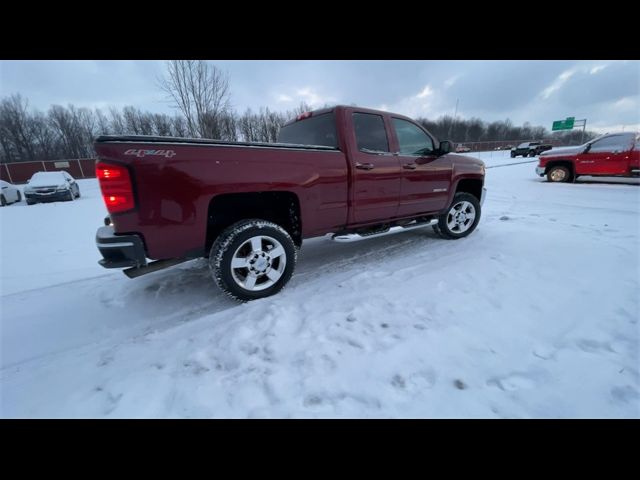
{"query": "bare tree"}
{"type": "Point", "coordinates": [200, 91]}
{"type": "Point", "coordinates": [15, 128]}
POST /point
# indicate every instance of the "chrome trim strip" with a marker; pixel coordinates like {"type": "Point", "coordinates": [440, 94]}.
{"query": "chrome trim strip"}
{"type": "Point", "coordinates": [115, 245]}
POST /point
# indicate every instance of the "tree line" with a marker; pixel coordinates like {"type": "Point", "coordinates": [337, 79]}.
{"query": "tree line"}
{"type": "Point", "coordinates": [68, 132]}
{"type": "Point", "coordinates": [200, 92]}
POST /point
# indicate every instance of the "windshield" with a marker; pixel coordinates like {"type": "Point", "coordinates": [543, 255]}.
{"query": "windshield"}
{"type": "Point", "coordinates": [594, 140]}
{"type": "Point", "coordinates": [47, 178]}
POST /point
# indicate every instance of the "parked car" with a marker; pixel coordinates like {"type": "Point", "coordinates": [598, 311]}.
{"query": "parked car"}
{"type": "Point", "coordinates": [530, 149]}
{"type": "Point", "coordinates": [347, 172]}
{"type": "Point", "coordinates": [615, 154]}
{"type": "Point", "coordinates": [51, 187]}
{"type": "Point", "coordinates": [9, 193]}
{"type": "Point", "coordinates": [462, 149]}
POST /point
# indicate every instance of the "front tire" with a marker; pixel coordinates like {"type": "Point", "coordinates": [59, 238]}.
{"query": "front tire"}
{"type": "Point", "coordinates": [460, 219]}
{"type": "Point", "coordinates": [19, 197]}
{"type": "Point", "coordinates": [559, 174]}
{"type": "Point", "coordinates": [3, 201]}
{"type": "Point", "coordinates": [252, 259]}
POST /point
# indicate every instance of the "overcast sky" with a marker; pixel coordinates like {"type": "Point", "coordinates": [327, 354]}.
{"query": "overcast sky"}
{"type": "Point", "coordinates": [607, 93]}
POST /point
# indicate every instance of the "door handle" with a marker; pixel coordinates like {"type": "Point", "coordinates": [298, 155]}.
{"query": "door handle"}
{"type": "Point", "coordinates": [364, 166]}
{"type": "Point", "coordinates": [410, 166]}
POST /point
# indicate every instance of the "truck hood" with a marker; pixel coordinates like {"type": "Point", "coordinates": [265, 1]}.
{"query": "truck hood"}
{"type": "Point", "coordinates": [563, 151]}
{"type": "Point", "coordinates": [465, 159]}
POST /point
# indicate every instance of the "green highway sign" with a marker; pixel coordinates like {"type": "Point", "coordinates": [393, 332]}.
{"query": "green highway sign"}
{"type": "Point", "coordinates": [566, 124]}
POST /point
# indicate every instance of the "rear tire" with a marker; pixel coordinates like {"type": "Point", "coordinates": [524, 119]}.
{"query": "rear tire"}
{"type": "Point", "coordinates": [558, 174]}
{"type": "Point", "coordinates": [460, 219]}
{"type": "Point", "coordinates": [252, 259]}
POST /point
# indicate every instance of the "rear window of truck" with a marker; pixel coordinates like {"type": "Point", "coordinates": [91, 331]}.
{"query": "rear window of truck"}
{"type": "Point", "coordinates": [370, 132]}
{"type": "Point", "coordinates": [316, 130]}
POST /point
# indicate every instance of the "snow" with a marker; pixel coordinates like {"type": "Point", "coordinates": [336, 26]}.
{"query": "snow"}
{"type": "Point", "coordinates": [535, 315]}
{"type": "Point", "coordinates": [46, 179]}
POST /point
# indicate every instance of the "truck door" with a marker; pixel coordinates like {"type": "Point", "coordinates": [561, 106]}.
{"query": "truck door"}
{"type": "Point", "coordinates": [376, 171]}
{"type": "Point", "coordinates": [426, 177]}
{"type": "Point", "coordinates": [608, 156]}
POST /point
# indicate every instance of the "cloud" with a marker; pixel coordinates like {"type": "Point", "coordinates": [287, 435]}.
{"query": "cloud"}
{"type": "Point", "coordinates": [426, 103]}
{"type": "Point", "coordinates": [597, 68]}
{"type": "Point", "coordinates": [308, 95]}
{"type": "Point", "coordinates": [426, 91]}
{"type": "Point", "coordinates": [557, 83]}
{"type": "Point", "coordinates": [450, 81]}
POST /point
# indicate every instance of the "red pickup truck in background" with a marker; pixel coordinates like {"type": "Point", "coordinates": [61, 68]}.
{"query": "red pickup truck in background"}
{"type": "Point", "coordinates": [351, 172]}
{"type": "Point", "coordinates": [610, 155]}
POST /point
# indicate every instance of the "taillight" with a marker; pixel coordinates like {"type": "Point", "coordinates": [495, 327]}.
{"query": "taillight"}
{"type": "Point", "coordinates": [117, 190]}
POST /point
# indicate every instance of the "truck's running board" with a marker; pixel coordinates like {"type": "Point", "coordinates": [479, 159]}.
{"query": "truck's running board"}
{"type": "Point", "coordinates": [153, 267]}
{"type": "Point", "coordinates": [355, 237]}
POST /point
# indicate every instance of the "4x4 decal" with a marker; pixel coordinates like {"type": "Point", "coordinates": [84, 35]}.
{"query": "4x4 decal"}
{"type": "Point", "coordinates": [144, 153]}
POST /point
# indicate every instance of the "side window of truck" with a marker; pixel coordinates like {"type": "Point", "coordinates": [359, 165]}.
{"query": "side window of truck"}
{"type": "Point", "coordinates": [614, 143]}
{"type": "Point", "coordinates": [370, 132]}
{"type": "Point", "coordinates": [412, 139]}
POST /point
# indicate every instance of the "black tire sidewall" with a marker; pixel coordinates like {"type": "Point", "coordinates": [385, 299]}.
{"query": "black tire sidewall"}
{"type": "Point", "coordinates": [442, 220]}
{"type": "Point", "coordinates": [224, 276]}
{"type": "Point", "coordinates": [3, 201]}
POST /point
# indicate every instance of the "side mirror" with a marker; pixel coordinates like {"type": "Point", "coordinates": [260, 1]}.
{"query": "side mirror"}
{"type": "Point", "coordinates": [445, 147]}
{"type": "Point", "coordinates": [587, 148]}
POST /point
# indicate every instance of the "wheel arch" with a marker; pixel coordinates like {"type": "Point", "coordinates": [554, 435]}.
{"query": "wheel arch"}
{"type": "Point", "coordinates": [561, 162]}
{"type": "Point", "coordinates": [279, 207]}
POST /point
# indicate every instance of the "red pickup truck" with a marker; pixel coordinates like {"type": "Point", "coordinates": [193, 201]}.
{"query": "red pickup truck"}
{"type": "Point", "coordinates": [350, 172]}
{"type": "Point", "coordinates": [615, 154]}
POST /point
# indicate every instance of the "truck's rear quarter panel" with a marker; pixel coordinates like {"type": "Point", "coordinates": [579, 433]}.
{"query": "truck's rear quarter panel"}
{"type": "Point", "coordinates": [173, 194]}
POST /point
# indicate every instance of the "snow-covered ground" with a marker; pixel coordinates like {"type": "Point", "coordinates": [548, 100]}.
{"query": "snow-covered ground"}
{"type": "Point", "coordinates": [534, 315]}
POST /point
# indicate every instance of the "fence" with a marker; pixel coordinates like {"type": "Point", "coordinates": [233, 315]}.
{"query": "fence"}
{"type": "Point", "coordinates": [507, 144]}
{"type": "Point", "coordinates": [20, 172]}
